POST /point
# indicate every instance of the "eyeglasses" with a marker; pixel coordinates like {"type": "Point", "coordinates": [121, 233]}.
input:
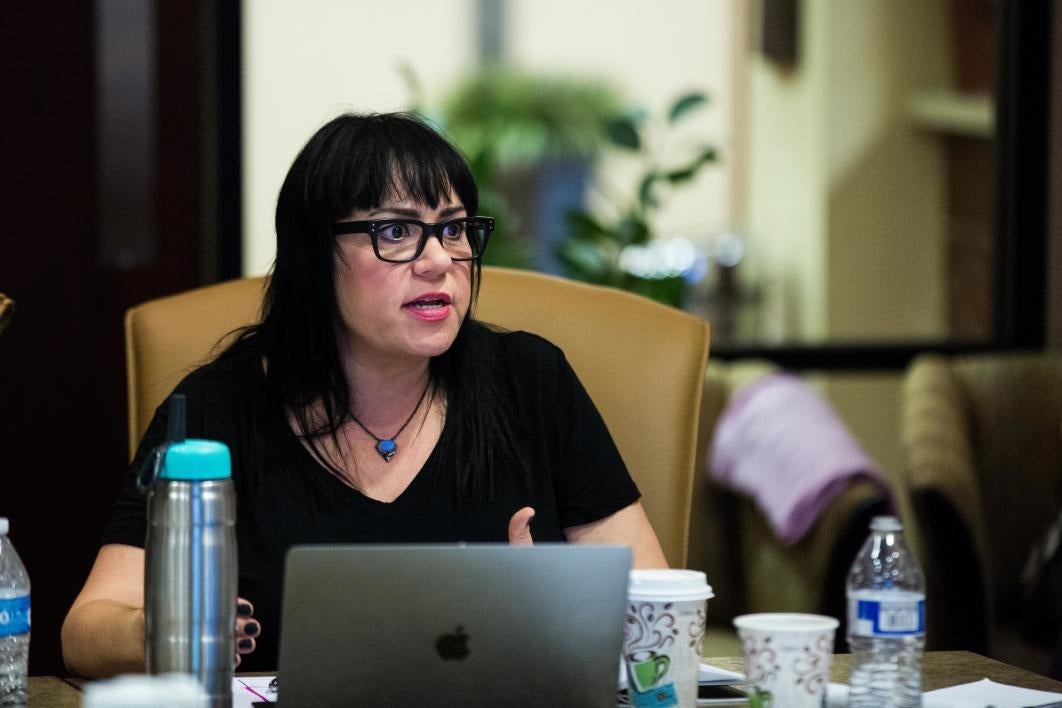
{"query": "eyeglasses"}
{"type": "Point", "coordinates": [403, 240]}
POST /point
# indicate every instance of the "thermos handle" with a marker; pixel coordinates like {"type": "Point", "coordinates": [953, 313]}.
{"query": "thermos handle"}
{"type": "Point", "coordinates": [148, 473]}
{"type": "Point", "coordinates": [176, 428]}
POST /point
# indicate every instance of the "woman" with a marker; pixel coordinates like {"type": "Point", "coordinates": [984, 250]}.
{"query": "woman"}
{"type": "Point", "coordinates": [369, 405]}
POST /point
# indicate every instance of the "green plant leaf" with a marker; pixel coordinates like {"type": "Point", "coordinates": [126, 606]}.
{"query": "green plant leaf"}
{"type": "Point", "coordinates": [685, 104]}
{"type": "Point", "coordinates": [670, 291]}
{"type": "Point", "coordinates": [585, 260]}
{"type": "Point", "coordinates": [708, 154]}
{"type": "Point", "coordinates": [646, 197]}
{"type": "Point", "coordinates": [623, 132]}
{"type": "Point", "coordinates": [632, 230]}
{"type": "Point", "coordinates": [582, 225]}
{"type": "Point", "coordinates": [685, 174]}
{"type": "Point", "coordinates": [529, 116]}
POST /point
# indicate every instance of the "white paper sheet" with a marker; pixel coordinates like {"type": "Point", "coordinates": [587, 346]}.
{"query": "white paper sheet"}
{"type": "Point", "coordinates": [251, 689]}
{"type": "Point", "coordinates": [983, 693]}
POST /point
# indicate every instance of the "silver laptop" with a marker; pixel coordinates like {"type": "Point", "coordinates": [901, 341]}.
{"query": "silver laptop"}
{"type": "Point", "coordinates": [464, 625]}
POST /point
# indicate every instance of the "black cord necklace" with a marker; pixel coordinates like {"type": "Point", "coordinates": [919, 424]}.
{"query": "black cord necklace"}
{"type": "Point", "coordinates": [387, 447]}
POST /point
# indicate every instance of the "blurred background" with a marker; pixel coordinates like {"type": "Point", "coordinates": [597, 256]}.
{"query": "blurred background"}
{"type": "Point", "coordinates": [837, 185]}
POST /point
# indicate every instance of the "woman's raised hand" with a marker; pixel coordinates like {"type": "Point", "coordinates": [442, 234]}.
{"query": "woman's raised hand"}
{"type": "Point", "coordinates": [520, 527]}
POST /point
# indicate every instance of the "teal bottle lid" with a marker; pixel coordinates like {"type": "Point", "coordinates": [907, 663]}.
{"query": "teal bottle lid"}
{"type": "Point", "coordinates": [197, 460]}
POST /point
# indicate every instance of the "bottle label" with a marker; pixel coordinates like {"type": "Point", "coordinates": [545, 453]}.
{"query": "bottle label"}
{"type": "Point", "coordinates": [14, 615]}
{"type": "Point", "coordinates": [878, 617]}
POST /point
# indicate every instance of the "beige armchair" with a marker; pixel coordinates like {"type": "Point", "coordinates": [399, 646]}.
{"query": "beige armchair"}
{"type": "Point", "coordinates": [984, 465]}
{"type": "Point", "coordinates": [641, 362]}
{"type": "Point", "coordinates": [749, 569]}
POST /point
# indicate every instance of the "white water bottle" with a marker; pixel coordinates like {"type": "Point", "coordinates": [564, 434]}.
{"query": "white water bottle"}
{"type": "Point", "coordinates": [14, 623]}
{"type": "Point", "coordinates": [886, 621]}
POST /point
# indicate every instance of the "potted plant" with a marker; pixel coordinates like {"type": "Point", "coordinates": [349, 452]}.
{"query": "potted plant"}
{"type": "Point", "coordinates": [531, 140]}
{"type": "Point", "coordinates": [620, 251]}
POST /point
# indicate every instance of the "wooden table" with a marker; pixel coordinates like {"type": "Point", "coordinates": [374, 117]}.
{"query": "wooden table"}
{"type": "Point", "coordinates": [53, 692]}
{"type": "Point", "coordinates": [940, 669]}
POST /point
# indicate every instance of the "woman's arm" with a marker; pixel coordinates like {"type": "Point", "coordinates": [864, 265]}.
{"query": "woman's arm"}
{"type": "Point", "coordinates": [103, 633]}
{"type": "Point", "coordinates": [630, 527]}
{"type": "Point", "coordinates": [627, 527]}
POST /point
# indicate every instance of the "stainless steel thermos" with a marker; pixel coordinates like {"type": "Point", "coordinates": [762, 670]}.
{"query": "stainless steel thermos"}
{"type": "Point", "coordinates": [190, 580]}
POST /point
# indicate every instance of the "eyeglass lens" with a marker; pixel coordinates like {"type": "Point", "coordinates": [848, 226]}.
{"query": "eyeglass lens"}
{"type": "Point", "coordinates": [400, 240]}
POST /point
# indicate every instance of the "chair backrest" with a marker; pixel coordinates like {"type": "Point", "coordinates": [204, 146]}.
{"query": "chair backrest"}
{"type": "Point", "coordinates": [983, 461]}
{"type": "Point", "coordinates": [165, 339]}
{"type": "Point", "coordinates": [642, 363]}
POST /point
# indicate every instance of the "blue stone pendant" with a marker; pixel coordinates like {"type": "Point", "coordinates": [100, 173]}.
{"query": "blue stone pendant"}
{"type": "Point", "coordinates": [387, 449]}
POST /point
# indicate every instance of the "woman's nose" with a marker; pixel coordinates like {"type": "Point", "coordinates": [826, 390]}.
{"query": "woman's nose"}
{"type": "Point", "coordinates": [434, 254]}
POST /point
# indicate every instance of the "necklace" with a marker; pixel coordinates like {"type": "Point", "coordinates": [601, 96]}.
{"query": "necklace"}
{"type": "Point", "coordinates": [387, 447]}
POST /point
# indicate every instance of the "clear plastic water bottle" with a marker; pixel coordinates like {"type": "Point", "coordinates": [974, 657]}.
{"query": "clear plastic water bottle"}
{"type": "Point", "coordinates": [886, 620]}
{"type": "Point", "coordinates": [14, 623]}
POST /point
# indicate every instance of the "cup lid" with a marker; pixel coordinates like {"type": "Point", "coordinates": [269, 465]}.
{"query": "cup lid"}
{"type": "Point", "coordinates": [786, 622]}
{"type": "Point", "coordinates": [197, 460]}
{"type": "Point", "coordinates": [668, 584]}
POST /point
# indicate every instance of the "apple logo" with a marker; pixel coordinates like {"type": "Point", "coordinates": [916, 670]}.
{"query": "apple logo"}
{"type": "Point", "coordinates": [453, 646]}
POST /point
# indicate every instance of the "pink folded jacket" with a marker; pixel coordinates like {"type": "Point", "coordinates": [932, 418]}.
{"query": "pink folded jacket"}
{"type": "Point", "coordinates": [778, 442]}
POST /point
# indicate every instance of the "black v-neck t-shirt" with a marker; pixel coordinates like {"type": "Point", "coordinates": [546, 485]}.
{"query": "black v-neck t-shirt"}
{"type": "Point", "coordinates": [286, 497]}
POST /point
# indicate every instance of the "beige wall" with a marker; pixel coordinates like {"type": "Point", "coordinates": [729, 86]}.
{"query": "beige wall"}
{"type": "Point", "coordinates": [846, 198]}
{"type": "Point", "coordinates": [786, 182]}
{"type": "Point", "coordinates": [307, 61]}
{"type": "Point", "coordinates": [886, 213]}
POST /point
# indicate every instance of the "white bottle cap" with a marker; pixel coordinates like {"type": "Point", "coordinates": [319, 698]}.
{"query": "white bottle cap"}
{"type": "Point", "coordinates": [3, 526]}
{"type": "Point", "coordinates": [145, 691]}
{"type": "Point", "coordinates": [886, 524]}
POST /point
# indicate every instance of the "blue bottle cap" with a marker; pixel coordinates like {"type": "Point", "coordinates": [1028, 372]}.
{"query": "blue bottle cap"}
{"type": "Point", "coordinates": [197, 460]}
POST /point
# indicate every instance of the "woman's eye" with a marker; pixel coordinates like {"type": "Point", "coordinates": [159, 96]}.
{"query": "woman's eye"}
{"type": "Point", "coordinates": [394, 232]}
{"type": "Point", "coordinates": [453, 230]}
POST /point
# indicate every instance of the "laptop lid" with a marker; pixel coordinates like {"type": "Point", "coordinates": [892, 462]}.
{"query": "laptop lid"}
{"type": "Point", "coordinates": [464, 625]}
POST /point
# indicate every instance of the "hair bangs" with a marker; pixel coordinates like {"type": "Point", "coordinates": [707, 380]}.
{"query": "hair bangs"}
{"type": "Point", "coordinates": [399, 159]}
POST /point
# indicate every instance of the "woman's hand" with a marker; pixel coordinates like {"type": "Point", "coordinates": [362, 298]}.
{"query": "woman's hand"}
{"type": "Point", "coordinates": [520, 527]}
{"type": "Point", "coordinates": [247, 628]}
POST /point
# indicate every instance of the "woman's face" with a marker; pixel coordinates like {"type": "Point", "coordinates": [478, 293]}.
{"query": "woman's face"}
{"type": "Point", "coordinates": [392, 312]}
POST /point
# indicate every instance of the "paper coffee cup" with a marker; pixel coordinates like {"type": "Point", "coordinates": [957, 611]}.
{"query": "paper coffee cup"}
{"type": "Point", "coordinates": [663, 636]}
{"type": "Point", "coordinates": [787, 658]}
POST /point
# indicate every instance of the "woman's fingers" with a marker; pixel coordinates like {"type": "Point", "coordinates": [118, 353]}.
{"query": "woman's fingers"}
{"type": "Point", "coordinates": [247, 628]}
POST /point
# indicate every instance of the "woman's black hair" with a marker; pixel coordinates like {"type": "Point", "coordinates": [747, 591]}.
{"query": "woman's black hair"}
{"type": "Point", "coordinates": [357, 162]}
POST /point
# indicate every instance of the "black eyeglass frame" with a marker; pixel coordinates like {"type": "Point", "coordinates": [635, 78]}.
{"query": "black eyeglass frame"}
{"type": "Point", "coordinates": [372, 228]}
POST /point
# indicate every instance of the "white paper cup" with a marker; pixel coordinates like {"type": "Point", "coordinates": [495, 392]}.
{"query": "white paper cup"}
{"type": "Point", "coordinates": [787, 658]}
{"type": "Point", "coordinates": [663, 634]}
